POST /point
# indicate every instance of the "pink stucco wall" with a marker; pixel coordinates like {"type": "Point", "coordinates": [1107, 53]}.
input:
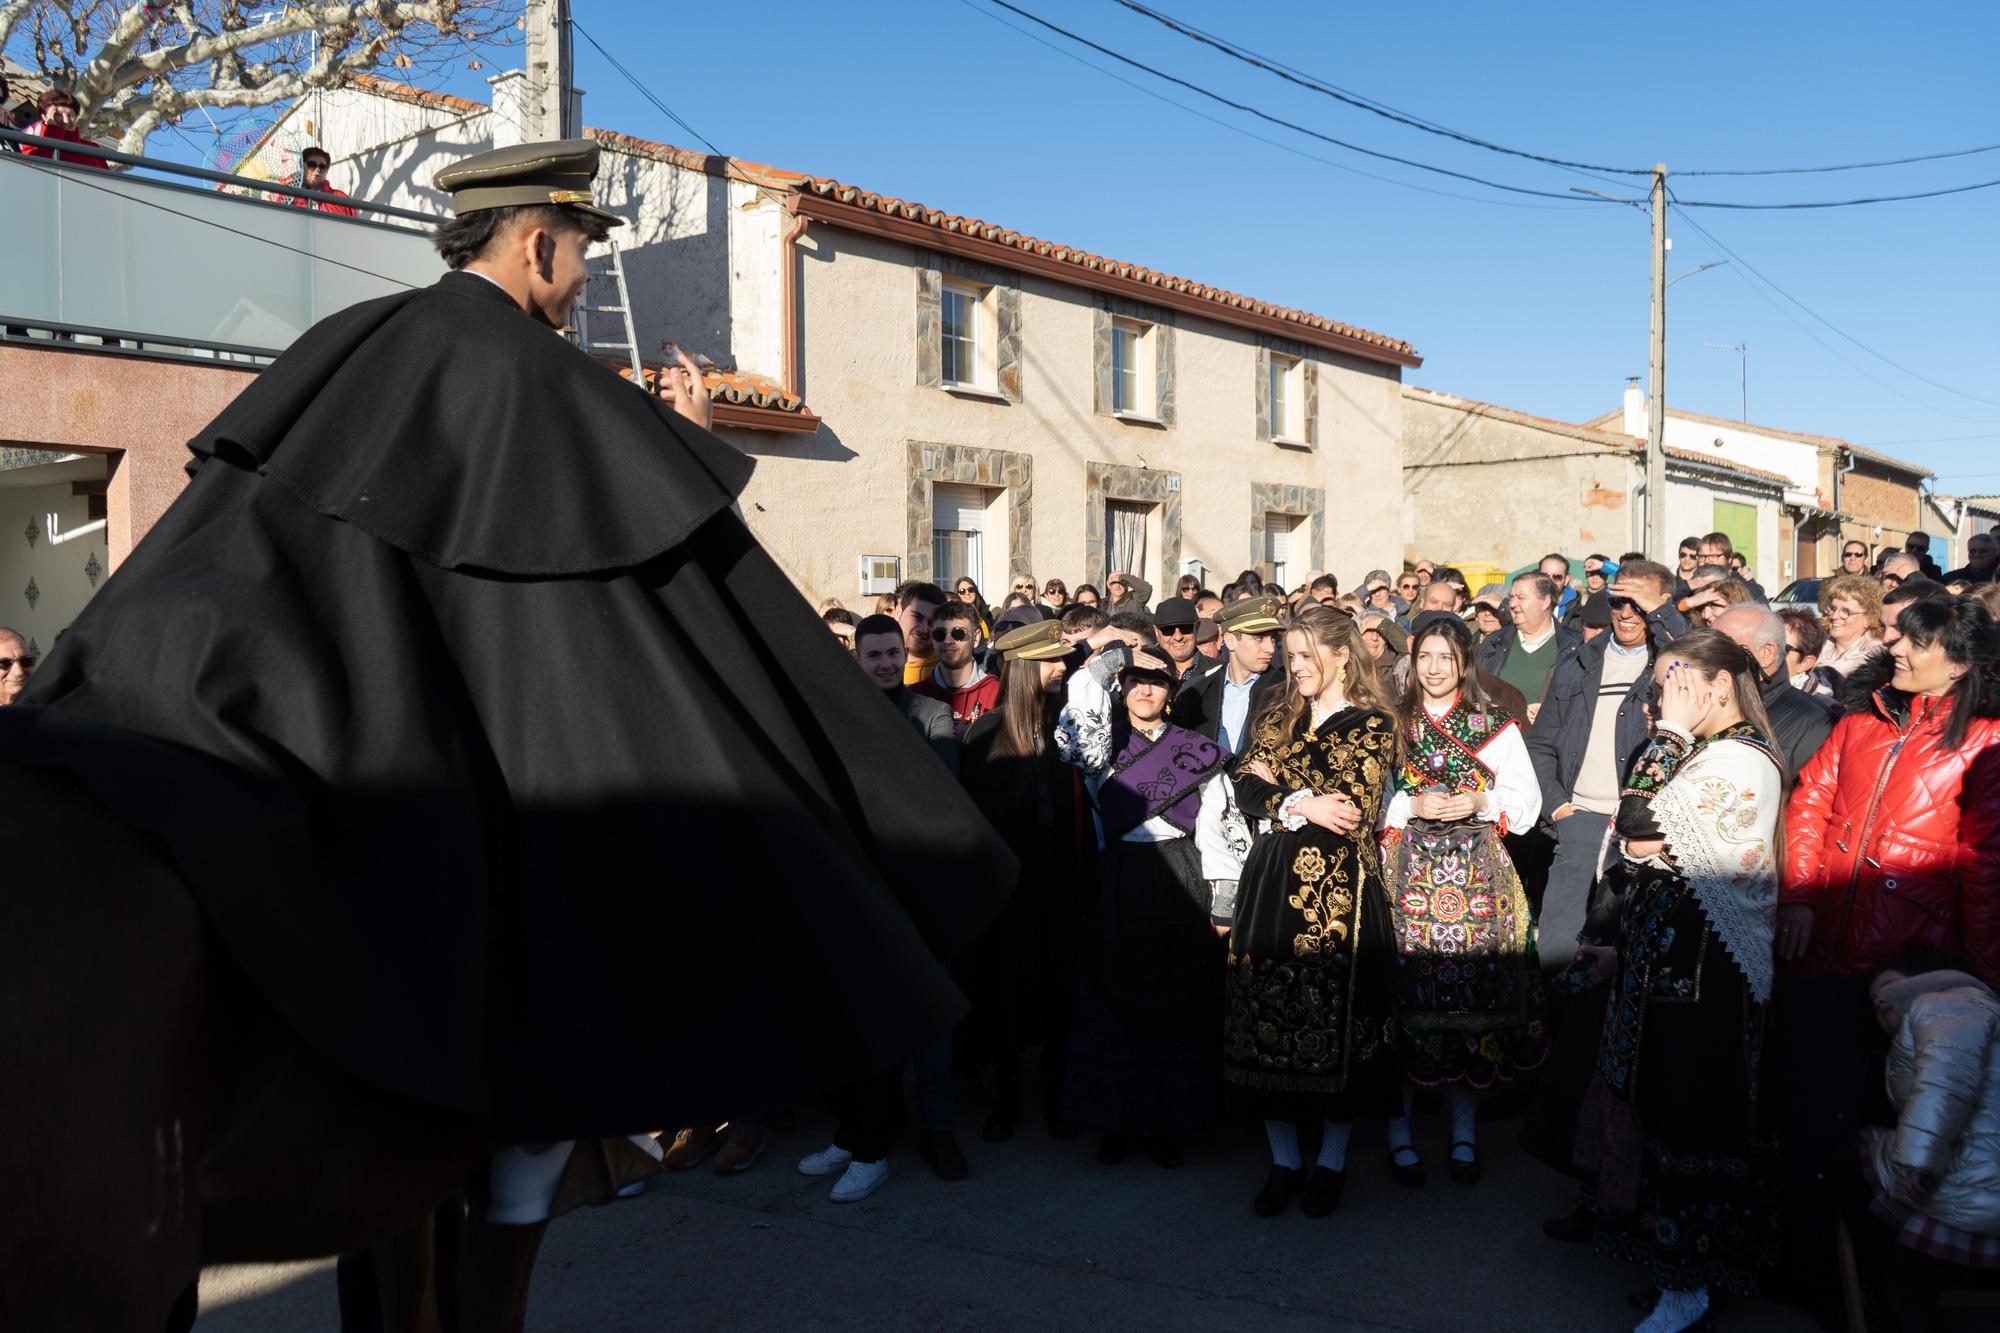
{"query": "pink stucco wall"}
{"type": "Point", "coordinates": [63, 398]}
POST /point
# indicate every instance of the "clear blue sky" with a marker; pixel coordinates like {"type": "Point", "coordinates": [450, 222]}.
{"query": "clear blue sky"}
{"type": "Point", "coordinates": [1538, 308]}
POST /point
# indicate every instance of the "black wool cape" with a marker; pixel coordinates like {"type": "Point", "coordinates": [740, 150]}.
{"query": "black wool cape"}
{"type": "Point", "coordinates": [500, 756]}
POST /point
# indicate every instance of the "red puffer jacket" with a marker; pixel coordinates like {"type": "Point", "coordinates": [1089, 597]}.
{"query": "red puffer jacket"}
{"type": "Point", "coordinates": [1894, 844]}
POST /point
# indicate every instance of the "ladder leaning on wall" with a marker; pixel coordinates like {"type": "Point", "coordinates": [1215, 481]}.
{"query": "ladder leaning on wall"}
{"type": "Point", "coordinates": [590, 313]}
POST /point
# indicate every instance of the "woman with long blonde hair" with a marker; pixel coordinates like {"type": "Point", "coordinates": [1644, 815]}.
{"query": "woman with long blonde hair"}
{"type": "Point", "coordinates": [1309, 1032]}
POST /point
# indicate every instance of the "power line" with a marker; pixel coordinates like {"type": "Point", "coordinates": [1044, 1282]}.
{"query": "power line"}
{"type": "Point", "coordinates": [1307, 81]}
{"type": "Point", "coordinates": [1265, 115]}
{"type": "Point", "coordinates": [646, 92]}
{"type": "Point", "coordinates": [1850, 166]}
{"type": "Point", "coordinates": [1842, 203]}
{"type": "Point", "coordinates": [1193, 87]}
{"type": "Point", "coordinates": [1294, 149]}
{"type": "Point", "coordinates": [1820, 319]}
{"type": "Point", "coordinates": [1290, 74]}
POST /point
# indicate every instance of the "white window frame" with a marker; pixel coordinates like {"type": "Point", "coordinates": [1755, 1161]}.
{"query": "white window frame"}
{"type": "Point", "coordinates": [1134, 365]}
{"type": "Point", "coordinates": [981, 333]}
{"type": "Point", "coordinates": [1287, 393]}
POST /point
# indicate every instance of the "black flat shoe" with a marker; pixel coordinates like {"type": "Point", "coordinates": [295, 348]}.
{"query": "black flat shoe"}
{"type": "Point", "coordinates": [1573, 1229]}
{"type": "Point", "coordinates": [1279, 1187]}
{"type": "Point", "coordinates": [1464, 1172]}
{"type": "Point", "coordinates": [1165, 1151]}
{"type": "Point", "coordinates": [1112, 1149]}
{"type": "Point", "coordinates": [1000, 1125]}
{"type": "Point", "coordinates": [1323, 1191]}
{"type": "Point", "coordinates": [1410, 1175]}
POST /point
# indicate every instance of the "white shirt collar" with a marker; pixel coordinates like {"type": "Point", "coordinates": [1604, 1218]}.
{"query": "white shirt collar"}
{"type": "Point", "coordinates": [1535, 645]}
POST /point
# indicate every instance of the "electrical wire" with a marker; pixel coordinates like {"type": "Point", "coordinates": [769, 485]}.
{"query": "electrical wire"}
{"type": "Point", "coordinates": [1234, 105]}
{"type": "Point", "coordinates": [1849, 166]}
{"type": "Point", "coordinates": [1307, 81]}
{"type": "Point", "coordinates": [1193, 87]}
{"type": "Point", "coordinates": [1829, 324]}
{"type": "Point", "coordinates": [646, 92]}
{"type": "Point", "coordinates": [1292, 75]}
{"type": "Point", "coordinates": [1843, 203]}
{"type": "Point", "coordinates": [1279, 144]}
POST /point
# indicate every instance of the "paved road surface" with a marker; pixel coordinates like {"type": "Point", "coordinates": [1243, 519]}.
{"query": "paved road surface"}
{"type": "Point", "coordinates": [1043, 1237]}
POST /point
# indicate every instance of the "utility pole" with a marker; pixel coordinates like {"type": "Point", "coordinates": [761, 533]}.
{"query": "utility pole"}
{"type": "Point", "coordinates": [549, 106]}
{"type": "Point", "coordinates": [1658, 544]}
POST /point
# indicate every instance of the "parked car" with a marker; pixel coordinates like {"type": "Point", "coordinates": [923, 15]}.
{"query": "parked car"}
{"type": "Point", "coordinates": [1799, 592]}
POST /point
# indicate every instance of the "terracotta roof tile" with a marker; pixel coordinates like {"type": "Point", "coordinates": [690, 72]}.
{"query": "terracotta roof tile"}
{"type": "Point", "coordinates": [726, 386]}
{"type": "Point", "coordinates": [987, 231]}
{"type": "Point", "coordinates": [403, 92]}
{"type": "Point", "coordinates": [777, 178]}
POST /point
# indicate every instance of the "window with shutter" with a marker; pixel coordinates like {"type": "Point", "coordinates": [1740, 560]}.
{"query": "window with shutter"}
{"type": "Point", "coordinates": [958, 534]}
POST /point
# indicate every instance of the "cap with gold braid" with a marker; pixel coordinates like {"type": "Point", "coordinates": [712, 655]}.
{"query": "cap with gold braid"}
{"type": "Point", "coordinates": [560, 171]}
{"type": "Point", "coordinates": [1041, 641]}
{"type": "Point", "coordinates": [1263, 614]}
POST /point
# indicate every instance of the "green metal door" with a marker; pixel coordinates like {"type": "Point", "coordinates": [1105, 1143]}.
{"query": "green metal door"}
{"type": "Point", "coordinates": [1739, 520]}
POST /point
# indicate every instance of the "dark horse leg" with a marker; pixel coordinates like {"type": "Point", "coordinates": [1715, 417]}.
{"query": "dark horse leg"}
{"type": "Point", "coordinates": [159, 1116]}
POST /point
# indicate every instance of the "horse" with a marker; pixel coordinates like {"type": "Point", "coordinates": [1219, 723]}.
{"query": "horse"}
{"type": "Point", "coordinates": [161, 1116]}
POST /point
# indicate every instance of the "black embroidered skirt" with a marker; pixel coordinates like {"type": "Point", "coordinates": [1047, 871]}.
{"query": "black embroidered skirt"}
{"type": "Point", "coordinates": [1310, 1032]}
{"type": "Point", "coordinates": [1145, 1038]}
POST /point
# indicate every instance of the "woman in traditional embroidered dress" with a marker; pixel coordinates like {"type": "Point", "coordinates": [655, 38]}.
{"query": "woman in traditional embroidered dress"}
{"type": "Point", "coordinates": [1309, 1019]}
{"type": "Point", "coordinates": [1144, 1050]}
{"type": "Point", "coordinates": [1671, 1125]}
{"type": "Point", "coordinates": [1468, 989]}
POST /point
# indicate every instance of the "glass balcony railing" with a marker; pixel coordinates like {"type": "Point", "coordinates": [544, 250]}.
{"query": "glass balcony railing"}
{"type": "Point", "coordinates": [159, 255]}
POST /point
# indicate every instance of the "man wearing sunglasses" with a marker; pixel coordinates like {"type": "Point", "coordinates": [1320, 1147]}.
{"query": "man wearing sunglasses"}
{"type": "Point", "coordinates": [958, 681]}
{"type": "Point", "coordinates": [16, 665]}
{"type": "Point", "coordinates": [1177, 623]}
{"type": "Point", "coordinates": [1853, 558]}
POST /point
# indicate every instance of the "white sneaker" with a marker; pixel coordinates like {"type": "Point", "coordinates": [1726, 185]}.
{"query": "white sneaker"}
{"type": "Point", "coordinates": [825, 1162]}
{"type": "Point", "coordinates": [860, 1180]}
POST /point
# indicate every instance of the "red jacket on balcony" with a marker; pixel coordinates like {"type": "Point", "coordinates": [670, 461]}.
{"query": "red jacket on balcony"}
{"type": "Point", "coordinates": [336, 209]}
{"type": "Point", "coordinates": [68, 134]}
{"type": "Point", "coordinates": [1894, 844]}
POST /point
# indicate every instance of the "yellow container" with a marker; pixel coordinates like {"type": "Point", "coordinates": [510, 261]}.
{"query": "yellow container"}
{"type": "Point", "coordinates": [1478, 573]}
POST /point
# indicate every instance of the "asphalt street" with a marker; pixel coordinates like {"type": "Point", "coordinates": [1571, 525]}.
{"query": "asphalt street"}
{"type": "Point", "coordinates": [1042, 1237]}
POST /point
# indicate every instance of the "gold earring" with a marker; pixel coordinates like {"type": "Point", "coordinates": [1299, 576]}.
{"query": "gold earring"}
{"type": "Point", "coordinates": [1341, 675]}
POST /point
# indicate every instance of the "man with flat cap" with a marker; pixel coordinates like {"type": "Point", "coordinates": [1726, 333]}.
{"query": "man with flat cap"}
{"type": "Point", "coordinates": [1221, 703]}
{"type": "Point", "coordinates": [1175, 621]}
{"type": "Point", "coordinates": [453, 672]}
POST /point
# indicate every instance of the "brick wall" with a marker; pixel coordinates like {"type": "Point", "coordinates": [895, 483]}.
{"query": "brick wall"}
{"type": "Point", "coordinates": [1877, 497]}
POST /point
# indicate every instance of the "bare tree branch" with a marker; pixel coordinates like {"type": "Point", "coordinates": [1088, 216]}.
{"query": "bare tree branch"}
{"type": "Point", "coordinates": [136, 67]}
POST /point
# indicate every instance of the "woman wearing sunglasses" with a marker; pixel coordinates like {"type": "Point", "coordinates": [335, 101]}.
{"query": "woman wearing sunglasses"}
{"type": "Point", "coordinates": [966, 591]}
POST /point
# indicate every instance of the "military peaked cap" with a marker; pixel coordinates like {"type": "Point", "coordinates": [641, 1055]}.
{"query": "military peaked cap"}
{"type": "Point", "coordinates": [1262, 614]}
{"type": "Point", "coordinates": [1041, 641]}
{"type": "Point", "coordinates": [559, 172]}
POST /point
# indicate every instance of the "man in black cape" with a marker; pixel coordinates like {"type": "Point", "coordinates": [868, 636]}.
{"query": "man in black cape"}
{"type": "Point", "coordinates": [497, 752]}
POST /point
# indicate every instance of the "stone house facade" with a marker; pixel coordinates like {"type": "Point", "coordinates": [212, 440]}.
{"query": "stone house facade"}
{"type": "Point", "coordinates": [929, 395]}
{"type": "Point", "coordinates": [1487, 485]}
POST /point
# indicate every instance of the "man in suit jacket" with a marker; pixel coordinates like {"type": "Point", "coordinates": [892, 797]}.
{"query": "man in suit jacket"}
{"type": "Point", "coordinates": [1221, 704]}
